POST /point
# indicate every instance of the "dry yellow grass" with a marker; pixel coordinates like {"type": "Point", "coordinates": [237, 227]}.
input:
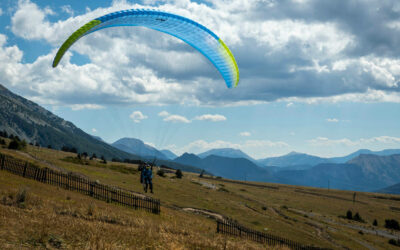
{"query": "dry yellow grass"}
{"type": "Point", "coordinates": [50, 217]}
{"type": "Point", "coordinates": [306, 215]}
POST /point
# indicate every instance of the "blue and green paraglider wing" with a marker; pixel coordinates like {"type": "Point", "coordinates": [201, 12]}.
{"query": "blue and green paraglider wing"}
{"type": "Point", "coordinates": [195, 34]}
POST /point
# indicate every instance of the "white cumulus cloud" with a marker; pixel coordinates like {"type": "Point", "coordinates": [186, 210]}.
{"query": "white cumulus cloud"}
{"type": "Point", "coordinates": [332, 120]}
{"type": "Point", "coordinates": [245, 133]}
{"type": "Point", "coordinates": [210, 117]}
{"type": "Point", "coordinates": [163, 113]}
{"type": "Point", "coordinates": [86, 106]}
{"type": "Point", "coordinates": [176, 119]}
{"type": "Point", "coordinates": [173, 117]}
{"type": "Point", "coordinates": [67, 9]}
{"type": "Point", "coordinates": [137, 116]}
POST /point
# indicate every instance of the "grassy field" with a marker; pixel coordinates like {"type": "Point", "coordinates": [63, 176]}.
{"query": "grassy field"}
{"type": "Point", "coordinates": [306, 215]}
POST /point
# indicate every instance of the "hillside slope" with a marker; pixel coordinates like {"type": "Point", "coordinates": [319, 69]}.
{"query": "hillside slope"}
{"type": "Point", "coordinates": [292, 212]}
{"type": "Point", "coordinates": [33, 123]}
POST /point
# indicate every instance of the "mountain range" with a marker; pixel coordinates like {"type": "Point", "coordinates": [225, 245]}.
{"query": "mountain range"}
{"type": "Point", "coordinates": [363, 170]}
{"type": "Point", "coordinates": [366, 172]}
{"type": "Point", "coordinates": [301, 161]}
{"type": "Point", "coordinates": [232, 168]}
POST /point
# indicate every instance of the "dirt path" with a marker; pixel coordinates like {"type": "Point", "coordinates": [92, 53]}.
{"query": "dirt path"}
{"type": "Point", "coordinates": [206, 213]}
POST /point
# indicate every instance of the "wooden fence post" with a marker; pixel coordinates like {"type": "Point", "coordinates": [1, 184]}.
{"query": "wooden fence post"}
{"type": "Point", "coordinates": [44, 176]}
{"type": "Point", "coordinates": [2, 161]}
{"type": "Point", "coordinates": [26, 165]}
{"type": "Point", "coordinates": [91, 189]}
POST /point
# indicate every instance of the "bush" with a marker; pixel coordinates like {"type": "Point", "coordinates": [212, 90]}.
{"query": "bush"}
{"type": "Point", "coordinates": [392, 224]}
{"type": "Point", "coordinates": [69, 149]}
{"type": "Point", "coordinates": [2, 142]}
{"type": "Point", "coordinates": [21, 196]}
{"type": "Point", "coordinates": [394, 242]}
{"type": "Point", "coordinates": [375, 223]}
{"type": "Point", "coordinates": [179, 174]}
{"type": "Point", "coordinates": [357, 217]}
{"type": "Point", "coordinates": [349, 215]}
{"type": "Point", "coordinates": [161, 173]}
{"type": "Point", "coordinates": [17, 144]}
{"type": "Point", "coordinates": [3, 134]}
{"type": "Point", "coordinates": [201, 174]}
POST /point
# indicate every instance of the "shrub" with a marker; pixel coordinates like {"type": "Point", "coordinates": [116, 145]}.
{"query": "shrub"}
{"type": "Point", "coordinates": [116, 160]}
{"type": "Point", "coordinates": [349, 215]}
{"type": "Point", "coordinates": [392, 224]}
{"type": "Point", "coordinates": [91, 210]}
{"type": "Point", "coordinates": [264, 208]}
{"type": "Point", "coordinates": [20, 198]}
{"type": "Point", "coordinates": [201, 174]}
{"type": "Point", "coordinates": [178, 174]}
{"type": "Point", "coordinates": [17, 144]}
{"type": "Point", "coordinates": [3, 134]}
{"type": "Point", "coordinates": [357, 217]}
{"type": "Point", "coordinates": [375, 223]}
{"type": "Point", "coordinates": [394, 242]}
{"type": "Point", "coordinates": [2, 142]}
{"type": "Point", "coordinates": [161, 173]}
{"type": "Point", "coordinates": [69, 149]}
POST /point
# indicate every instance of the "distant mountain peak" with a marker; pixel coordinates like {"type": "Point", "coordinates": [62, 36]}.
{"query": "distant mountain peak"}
{"type": "Point", "coordinates": [138, 147]}
{"type": "Point", "coordinates": [168, 153]}
{"type": "Point", "coordinates": [226, 152]}
{"type": "Point", "coordinates": [295, 153]}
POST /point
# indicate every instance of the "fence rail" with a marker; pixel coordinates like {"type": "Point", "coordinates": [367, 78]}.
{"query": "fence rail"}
{"type": "Point", "coordinates": [235, 229]}
{"type": "Point", "coordinates": [76, 183]}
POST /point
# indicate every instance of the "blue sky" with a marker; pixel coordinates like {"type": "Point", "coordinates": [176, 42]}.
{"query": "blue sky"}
{"type": "Point", "coordinates": [320, 77]}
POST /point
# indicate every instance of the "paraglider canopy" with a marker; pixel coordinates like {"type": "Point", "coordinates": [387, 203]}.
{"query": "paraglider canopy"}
{"type": "Point", "coordinates": [191, 32]}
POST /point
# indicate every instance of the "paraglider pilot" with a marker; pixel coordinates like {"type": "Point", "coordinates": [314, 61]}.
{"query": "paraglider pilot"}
{"type": "Point", "coordinates": [147, 176]}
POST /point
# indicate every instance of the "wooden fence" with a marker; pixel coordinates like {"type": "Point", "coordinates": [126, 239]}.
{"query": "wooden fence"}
{"type": "Point", "coordinates": [235, 229]}
{"type": "Point", "coordinates": [76, 183]}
